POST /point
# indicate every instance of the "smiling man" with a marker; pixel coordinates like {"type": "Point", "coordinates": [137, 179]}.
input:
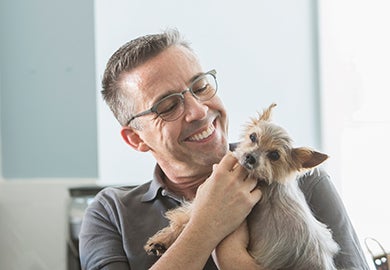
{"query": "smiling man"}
{"type": "Point", "coordinates": [168, 105]}
{"type": "Point", "coordinates": [193, 142]}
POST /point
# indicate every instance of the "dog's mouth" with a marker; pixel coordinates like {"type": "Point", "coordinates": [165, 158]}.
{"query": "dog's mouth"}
{"type": "Point", "coordinates": [249, 162]}
{"type": "Point", "coordinates": [250, 166]}
{"type": "Point", "coordinates": [261, 180]}
{"type": "Point", "coordinates": [247, 166]}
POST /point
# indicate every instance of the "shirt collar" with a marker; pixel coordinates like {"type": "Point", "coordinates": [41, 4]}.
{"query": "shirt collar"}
{"type": "Point", "coordinates": [156, 185]}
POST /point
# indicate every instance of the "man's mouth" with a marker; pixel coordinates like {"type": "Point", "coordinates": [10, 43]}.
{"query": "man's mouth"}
{"type": "Point", "coordinates": [202, 135]}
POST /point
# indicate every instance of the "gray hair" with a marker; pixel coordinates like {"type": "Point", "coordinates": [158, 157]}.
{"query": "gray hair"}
{"type": "Point", "coordinates": [131, 55]}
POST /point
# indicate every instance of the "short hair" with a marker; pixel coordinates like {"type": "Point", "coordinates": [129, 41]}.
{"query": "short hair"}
{"type": "Point", "coordinates": [131, 55]}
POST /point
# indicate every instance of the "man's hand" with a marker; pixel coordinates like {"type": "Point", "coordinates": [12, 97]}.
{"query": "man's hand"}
{"type": "Point", "coordinates": [225, 199]}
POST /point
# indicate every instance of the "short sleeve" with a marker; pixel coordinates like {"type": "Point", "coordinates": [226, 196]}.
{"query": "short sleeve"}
{"type": "Point", "coordinates": [100, 241]}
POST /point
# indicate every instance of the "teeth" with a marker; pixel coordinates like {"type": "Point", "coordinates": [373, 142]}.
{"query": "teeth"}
{"type": "Point", "coordinates": [203, 135]}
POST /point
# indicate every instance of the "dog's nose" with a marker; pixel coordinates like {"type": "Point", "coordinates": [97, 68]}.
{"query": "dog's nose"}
{"type": "Point", "coordinates": [250, 159]}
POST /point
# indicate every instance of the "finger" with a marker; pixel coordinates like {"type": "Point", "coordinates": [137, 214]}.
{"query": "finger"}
{"type": "Point", "coordinates": [240, 172]}
{"type": "Point", "coordinates": [228, 162]}
{"type": "Point", "coordinates": [256, 195]}
{"type": "Point", "coordinates": [252, 183]}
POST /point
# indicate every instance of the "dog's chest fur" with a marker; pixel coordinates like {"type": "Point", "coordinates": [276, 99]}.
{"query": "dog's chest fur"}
{"type": "Point", "coordinates": [285, 235]}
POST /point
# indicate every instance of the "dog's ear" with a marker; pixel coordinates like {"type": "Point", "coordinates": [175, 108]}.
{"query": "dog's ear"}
{"type": "Point", "coordinates": [266, 115]}
{"type": "Point", "coordinates": [307, 158]}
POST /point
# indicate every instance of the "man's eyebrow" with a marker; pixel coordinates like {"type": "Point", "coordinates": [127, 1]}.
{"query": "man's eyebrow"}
{"type": "Point", "coordinates": [163, 95]}
{"type": "Point", "coordinates": [197, 75]}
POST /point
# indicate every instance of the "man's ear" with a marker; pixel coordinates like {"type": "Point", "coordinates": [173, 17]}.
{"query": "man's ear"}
{"type": "Point", "coordinates": [132, 138]}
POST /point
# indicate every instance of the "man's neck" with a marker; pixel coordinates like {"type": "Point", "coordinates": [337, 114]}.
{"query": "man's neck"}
{"type": "Point", "coordinates": [185, 187]}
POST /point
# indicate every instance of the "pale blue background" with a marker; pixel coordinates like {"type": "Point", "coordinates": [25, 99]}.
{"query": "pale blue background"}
{"type": "Point", "coordinates": [47, 86]}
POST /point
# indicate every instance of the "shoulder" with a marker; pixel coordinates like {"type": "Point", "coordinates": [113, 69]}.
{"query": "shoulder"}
{"type": "Point", "coordinates": [113, 200]}
{"type": "Point", "coordinates": [313, 181]}
{"type": "Point", "coordinates": [313, 176]}
{"type": "Point", "coordinates": [121, 194]}
{"type": "Point", "coordinates": [322, 196]}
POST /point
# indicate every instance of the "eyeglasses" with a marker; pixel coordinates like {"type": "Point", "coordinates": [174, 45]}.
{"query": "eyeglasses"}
{"type": "Point", "coordinates": [170, 108]}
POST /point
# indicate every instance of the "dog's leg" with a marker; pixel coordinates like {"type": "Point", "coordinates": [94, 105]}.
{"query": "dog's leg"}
{"type": "Point", "coordinates": [163, 239]}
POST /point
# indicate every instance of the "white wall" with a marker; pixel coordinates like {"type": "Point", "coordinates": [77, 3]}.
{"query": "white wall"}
{"type": "Point", "coordinates": [355, 83]}
{"type": "Point", "coordinates": [33, 223]}
{"type": "Point", "coordinates": [264, 51]}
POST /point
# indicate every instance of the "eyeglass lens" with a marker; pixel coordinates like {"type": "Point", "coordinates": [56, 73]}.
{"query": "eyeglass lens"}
{"type": "Point", "coordinates": [172, 107]}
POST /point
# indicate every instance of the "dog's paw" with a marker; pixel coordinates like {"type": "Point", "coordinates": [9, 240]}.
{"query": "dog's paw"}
{"type": "Point", "coordinates": [155, 249]}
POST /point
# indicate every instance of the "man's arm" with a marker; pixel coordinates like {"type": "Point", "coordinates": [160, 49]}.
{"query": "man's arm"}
{"type": "Point", "coordinates": [100, 244]}
{"type": "Point", "coordinates": [329, 209]}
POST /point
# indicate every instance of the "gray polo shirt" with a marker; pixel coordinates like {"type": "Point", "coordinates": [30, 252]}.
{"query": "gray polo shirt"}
{"type": "Point", "coordinates": [119, 221]}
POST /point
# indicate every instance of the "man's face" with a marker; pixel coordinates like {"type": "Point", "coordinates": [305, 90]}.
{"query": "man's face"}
{"type": "Point", "coordinates": [190, 145]}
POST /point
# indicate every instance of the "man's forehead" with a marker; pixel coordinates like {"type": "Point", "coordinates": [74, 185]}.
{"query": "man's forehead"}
{"type": "Point", "coordinates": [170, 71]}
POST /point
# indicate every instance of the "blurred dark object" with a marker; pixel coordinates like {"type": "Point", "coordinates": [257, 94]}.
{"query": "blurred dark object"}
{"type": "Point", "coordinates": [381, 257]}
{"type": "Point", "coordinates": [80, 198]}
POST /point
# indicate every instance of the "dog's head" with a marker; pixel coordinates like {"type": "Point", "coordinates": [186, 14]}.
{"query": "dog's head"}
{"type": "Point", "coordinates": [266, 151]}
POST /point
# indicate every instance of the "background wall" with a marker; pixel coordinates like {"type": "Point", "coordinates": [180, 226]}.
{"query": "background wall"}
{"type": "Point", "coordinates": [54, 135]}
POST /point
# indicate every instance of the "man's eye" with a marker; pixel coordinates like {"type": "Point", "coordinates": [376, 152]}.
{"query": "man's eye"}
{"type": "Point", "coordinates": [273, 155]}
{"type": "Point", "coordinates": [201, 90]}
{"type": "Point", "coordinates": [168, 105]}
{"type": "Point", "coordinates": [253, 137]}
{"type": "Point", "coordinates": [167, 108]}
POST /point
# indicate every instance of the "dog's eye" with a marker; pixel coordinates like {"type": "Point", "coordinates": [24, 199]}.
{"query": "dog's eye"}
{"type": "Point", "coordinates": [273, 155]}
{"type": "Point", "coordinates": [253, 137]}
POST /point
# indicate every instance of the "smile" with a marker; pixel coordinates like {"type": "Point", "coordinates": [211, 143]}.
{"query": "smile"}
{"type": "Point", "coordinates": [202, 135]}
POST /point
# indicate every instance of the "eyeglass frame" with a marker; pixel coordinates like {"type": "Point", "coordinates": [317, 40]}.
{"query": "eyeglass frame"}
{"type": "Point", "coordinates": [153, 109]}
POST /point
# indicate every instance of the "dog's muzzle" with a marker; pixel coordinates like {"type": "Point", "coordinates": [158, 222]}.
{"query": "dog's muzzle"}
{"type": "Point", "coordinates": [249, 161]}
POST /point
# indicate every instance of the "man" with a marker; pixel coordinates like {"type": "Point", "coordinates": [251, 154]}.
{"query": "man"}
{"type": "Point", "coordinates": [167, 104]}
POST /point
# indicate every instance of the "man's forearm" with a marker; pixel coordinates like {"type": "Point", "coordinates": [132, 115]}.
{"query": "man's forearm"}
{"type": "Point", "coordinates": [191, 250]}
{"type": "Point", "coordinates": [228, 258]}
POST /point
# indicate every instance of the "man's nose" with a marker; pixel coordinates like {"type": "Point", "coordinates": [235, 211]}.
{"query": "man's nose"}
{"type": "Point", "coordinates": [194, 108]}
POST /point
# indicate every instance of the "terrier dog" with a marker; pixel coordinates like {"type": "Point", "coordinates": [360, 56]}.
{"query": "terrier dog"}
{"type": "Point", "coordinates": [283, 232]}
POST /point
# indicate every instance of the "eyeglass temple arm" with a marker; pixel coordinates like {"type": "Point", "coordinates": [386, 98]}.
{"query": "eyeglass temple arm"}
{"type": "Point", "coordinates": [138, 115]}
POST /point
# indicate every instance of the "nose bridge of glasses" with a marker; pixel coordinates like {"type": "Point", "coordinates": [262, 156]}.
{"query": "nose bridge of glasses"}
{"type": "Point", "coordinates": [190, 91]}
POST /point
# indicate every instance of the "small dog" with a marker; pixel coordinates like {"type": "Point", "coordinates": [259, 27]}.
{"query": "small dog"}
{"type": "Point", "coordinates": [283, 232]}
